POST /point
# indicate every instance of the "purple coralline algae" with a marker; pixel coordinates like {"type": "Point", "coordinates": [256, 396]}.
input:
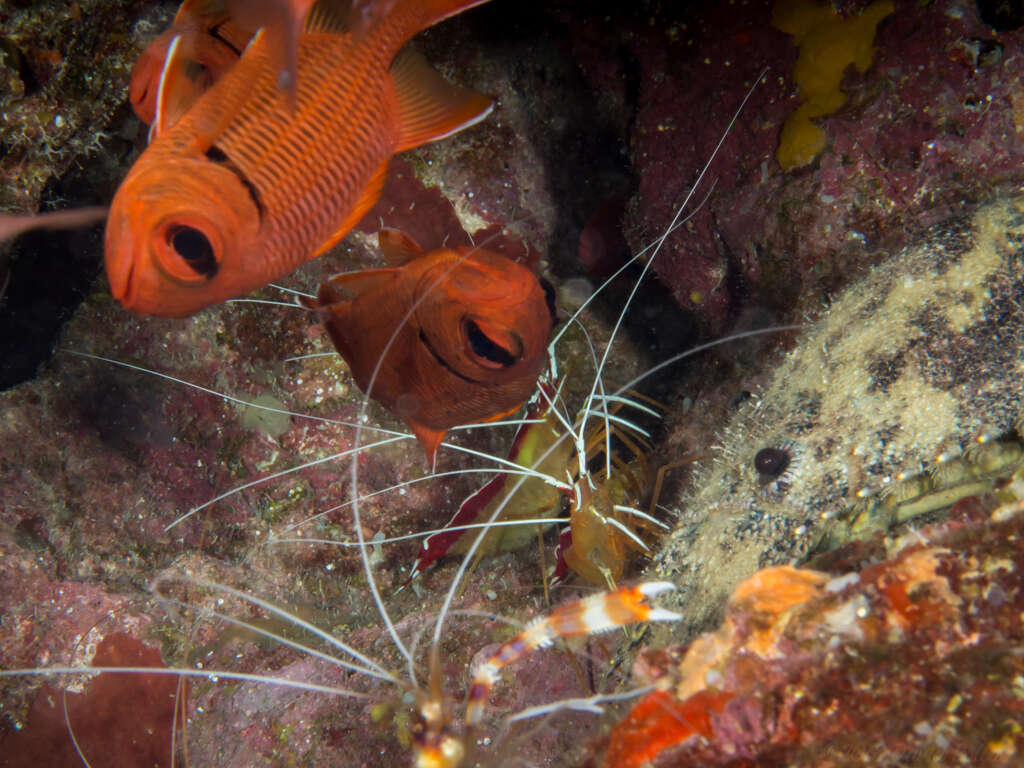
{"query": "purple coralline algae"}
{"type": "Point", "coordinates": [932, 126]}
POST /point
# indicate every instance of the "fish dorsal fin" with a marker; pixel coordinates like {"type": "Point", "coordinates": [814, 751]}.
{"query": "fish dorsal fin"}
{"type": "Point", "coordinates": [397, 247]}
{"type": "Point", "coordinates": [429, 107]}
{"type": "Point", "coordinates": [346, 286]}
{"type": "Point", "coordinates": [370, 196]}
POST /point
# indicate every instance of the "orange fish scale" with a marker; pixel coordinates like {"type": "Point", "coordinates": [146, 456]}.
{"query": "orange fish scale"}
{"type": "Point", "coordinates": [306, 166]}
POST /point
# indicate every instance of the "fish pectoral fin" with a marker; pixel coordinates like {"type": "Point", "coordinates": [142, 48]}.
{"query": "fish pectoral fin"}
{"type": "Point", "coordinates": [503, 414]}
{"type": "Point", "coordinates": [283, 21]}
{"type": "Point", "coordinates": [175, 90]}
{"type": "Point", "coordinates": [429, 107]}
{"type": "Point", "coordinates": [429, 438]}
{"type": "Point", "coordinates": [397, 247]}
{"type": "Point", "coordinates": [346, 286]}
{"type": "Point", "coordinates": [370, 197]}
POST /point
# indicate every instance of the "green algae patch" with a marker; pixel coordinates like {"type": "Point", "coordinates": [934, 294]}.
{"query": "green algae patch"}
{"type": "Point", "coordinates": [828, 44]}
{"type": "Point", "coordinates": [268, 415]}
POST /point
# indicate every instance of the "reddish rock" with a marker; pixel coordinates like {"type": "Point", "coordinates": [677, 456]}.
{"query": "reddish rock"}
{"type": "Point", "coordinates": [929, 129]}
{"type": "Point", "coordinates": [915, 654]}
{"type": "Point", "coordinates": [118, 719]}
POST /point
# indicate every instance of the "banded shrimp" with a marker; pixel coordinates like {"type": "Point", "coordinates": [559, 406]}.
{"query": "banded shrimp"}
{"type": "Point", "coordinates": [263, 715]}
{"type": "Point", "coordinates": [109, 428]}
{"type": "Point", "coordinates": [273, 723]}
{"type": "Point", "coordinates": [201, 549]}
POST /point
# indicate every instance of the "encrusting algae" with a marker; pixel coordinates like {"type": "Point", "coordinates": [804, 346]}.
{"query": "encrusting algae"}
{"type": "Point", "coordinates": [905, 652]}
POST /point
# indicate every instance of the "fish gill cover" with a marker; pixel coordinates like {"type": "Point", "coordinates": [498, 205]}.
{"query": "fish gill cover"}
{"type": "Point", "coordinates": [594, 106]}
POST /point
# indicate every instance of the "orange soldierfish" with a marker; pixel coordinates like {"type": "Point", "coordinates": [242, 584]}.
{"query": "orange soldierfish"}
{"type": "Point", "coordinates": [209, 47]}
{"type": "Point", "coordinates": [213, 34]}
{"type": "Point", "coordinates": [449, 337]}
{"type": "Point", "coordinates": [243, 189]}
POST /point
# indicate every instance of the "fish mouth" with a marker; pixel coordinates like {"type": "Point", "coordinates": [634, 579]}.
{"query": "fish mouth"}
{"type": "Point", "coordinates": [444, 363]}
{"type": "Point", "coordinates": [119, 268]}
{"type": "Point", "coordinates": [121, 284]}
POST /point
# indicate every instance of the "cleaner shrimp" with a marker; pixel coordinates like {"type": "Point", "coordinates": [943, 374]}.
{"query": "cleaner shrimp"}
{"type": "Point", "coordinates": [227, 628]}
{"type": "Point", "coordinates": [429, 733]}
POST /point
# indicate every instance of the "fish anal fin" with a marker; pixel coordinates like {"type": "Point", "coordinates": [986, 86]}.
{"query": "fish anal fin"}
{"type": "Point", "coordinates": [369, 198]}
{"type": "Point", "coordinates": [429, 107]}
{"type": "Point", "coordinates": [429, 438]}
{"type": "Point", "coordinates": [397, 247]}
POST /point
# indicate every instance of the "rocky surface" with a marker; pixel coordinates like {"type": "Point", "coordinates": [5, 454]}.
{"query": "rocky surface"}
{"type": "Point", "coordinates": [904, 651]}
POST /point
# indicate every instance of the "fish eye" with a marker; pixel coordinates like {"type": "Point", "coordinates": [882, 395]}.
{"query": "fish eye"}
{"type": "Point", "coordinates": [194, 248]}
{"type": "Point", "coordinates": [489, 352]}
{"type": "Point", "coordinates": [771, 462]}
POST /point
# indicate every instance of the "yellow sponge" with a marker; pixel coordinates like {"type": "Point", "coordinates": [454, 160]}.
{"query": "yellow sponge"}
{"type": "Point", "coordinates": [828, 45]}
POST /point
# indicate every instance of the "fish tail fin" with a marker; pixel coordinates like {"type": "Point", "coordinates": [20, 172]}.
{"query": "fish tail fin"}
{"type": "Point", "coordinates": [435, 11]}
{"type": "Point", "coordinates": [360, 15]}
{"type": "Point", "coordinates": [430, 108]}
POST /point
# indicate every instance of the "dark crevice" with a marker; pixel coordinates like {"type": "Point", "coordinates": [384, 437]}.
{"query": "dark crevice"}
{"type": "Point", "coordinates": [52, 272]}
{"type": "Point", "coordinates": [50, 275]}
{"type": "Point", "coordinates": [582, 137]}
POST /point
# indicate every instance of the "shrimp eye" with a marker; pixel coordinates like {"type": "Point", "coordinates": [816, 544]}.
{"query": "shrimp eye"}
{"type": "Point", "coordinates": [771, 462]}
{"type": "Point", "coordinates": [488, 351]}
{"type": "Point", "coordinates": [194, 248]}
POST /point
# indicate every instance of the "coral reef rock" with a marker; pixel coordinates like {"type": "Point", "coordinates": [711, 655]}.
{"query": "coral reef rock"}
{"type": "Point", "coordinates": [913, 659]}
